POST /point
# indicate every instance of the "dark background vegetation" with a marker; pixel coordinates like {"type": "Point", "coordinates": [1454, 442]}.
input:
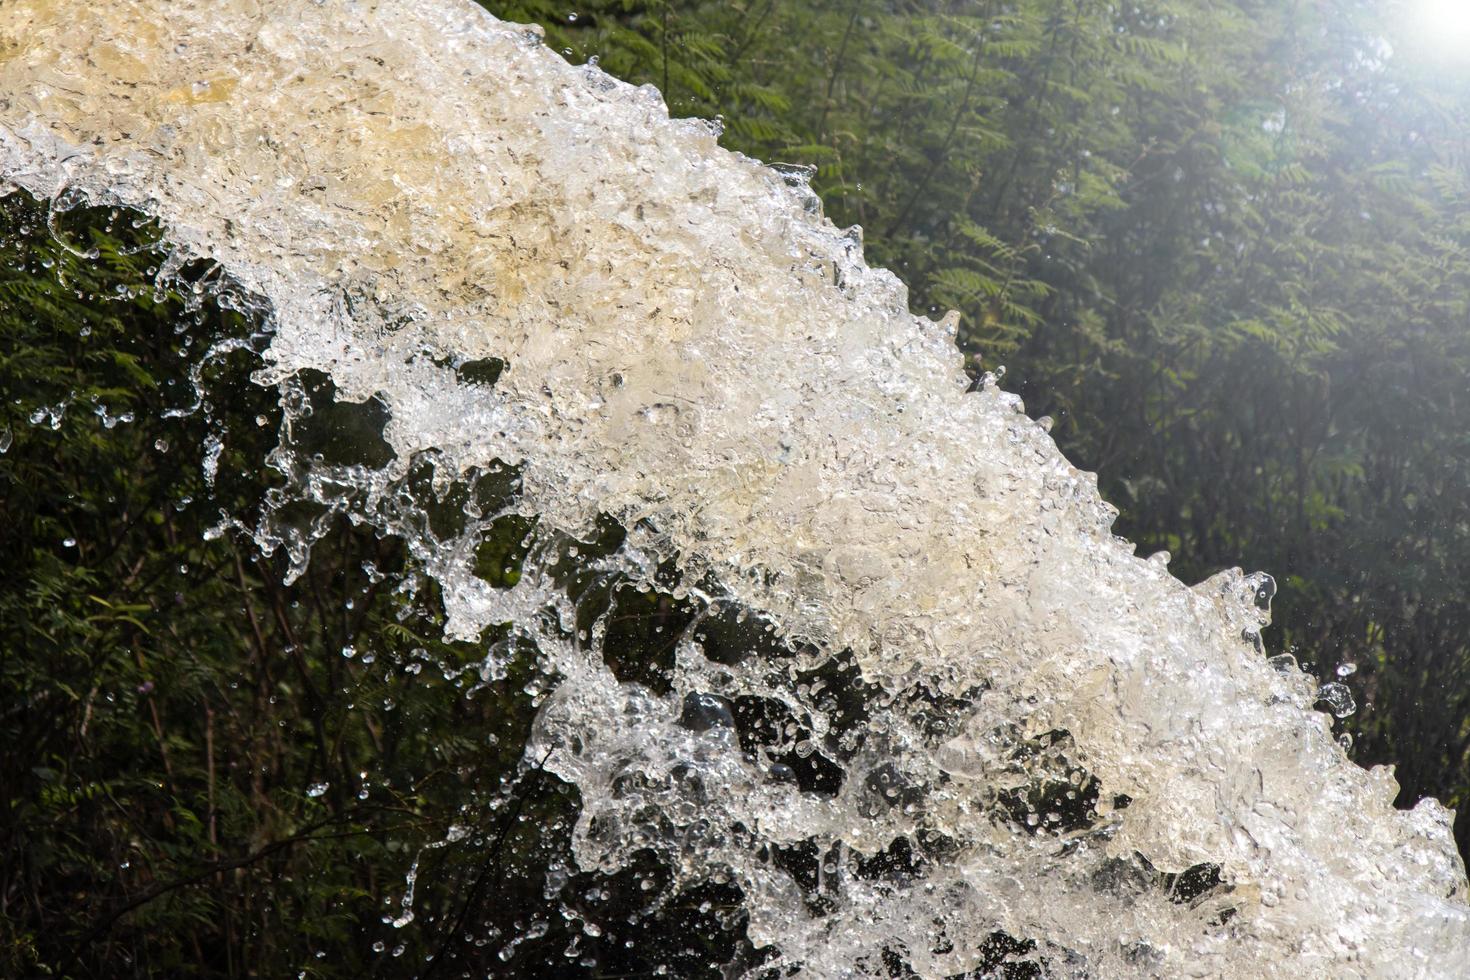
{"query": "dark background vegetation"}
{"type": "Point", "coordinates": [1225, 245]}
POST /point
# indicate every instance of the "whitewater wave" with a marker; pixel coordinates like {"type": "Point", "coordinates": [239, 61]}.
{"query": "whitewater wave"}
{"type": "Point", "coordinates": [1052, 732]}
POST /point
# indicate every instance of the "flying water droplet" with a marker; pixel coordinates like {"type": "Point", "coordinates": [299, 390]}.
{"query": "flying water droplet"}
{"type": "Point", "coordinates": [1338, 697]}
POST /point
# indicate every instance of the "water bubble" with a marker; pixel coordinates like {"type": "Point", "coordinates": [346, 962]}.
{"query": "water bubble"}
{"type": "Point", "coordinates": [1338, 697]}
{"type": "Point", "coordinates": [779, 772]}
{"type": "Point", "coordinates": [1265, 590]}
{"type": "Point", "coordinates": [705, 711]}
{"type": "Point", "coordinates": [1284, 663]}
{"type": "Point", "coordinates": [797, 175]}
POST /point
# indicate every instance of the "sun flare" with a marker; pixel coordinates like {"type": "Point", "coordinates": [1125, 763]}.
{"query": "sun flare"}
{"type": "Point", "coordinates": [1444, 26]}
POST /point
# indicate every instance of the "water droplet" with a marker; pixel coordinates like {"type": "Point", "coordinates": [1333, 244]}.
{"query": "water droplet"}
{"type": "Point", "coordinates": [317, 789]}
{"type": "Point", "coordinates": [1338, 697]}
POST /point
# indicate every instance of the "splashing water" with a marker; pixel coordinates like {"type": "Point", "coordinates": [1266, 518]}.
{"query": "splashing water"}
{"type": "Point", "coordinates": [957, 666]}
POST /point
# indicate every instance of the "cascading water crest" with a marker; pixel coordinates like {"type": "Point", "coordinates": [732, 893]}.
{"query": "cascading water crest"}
{"type": "Point", "coordinates": [974, 726]}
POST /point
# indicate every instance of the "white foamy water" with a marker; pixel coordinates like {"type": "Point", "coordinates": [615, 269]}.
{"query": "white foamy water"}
{"type": "Point", "coordinates": [694, 350]}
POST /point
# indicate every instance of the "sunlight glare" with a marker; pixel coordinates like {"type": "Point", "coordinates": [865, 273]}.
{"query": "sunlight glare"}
{"type": "Point", "coordinates": [1444, 26]}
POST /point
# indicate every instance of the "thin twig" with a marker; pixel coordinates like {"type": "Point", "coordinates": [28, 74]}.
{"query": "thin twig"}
{"type": "Point", "coordinates": [492, 862]}
{"type": "Point", "coordinates": [105, 923]}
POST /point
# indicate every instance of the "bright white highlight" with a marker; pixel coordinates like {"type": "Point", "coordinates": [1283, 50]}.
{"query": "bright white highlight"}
{"type": "Point", "coordinates": [1443, 27]}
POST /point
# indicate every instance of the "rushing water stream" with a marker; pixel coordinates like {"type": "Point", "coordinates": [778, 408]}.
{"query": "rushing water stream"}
{"type": "Point", "coordinates": [1047, 736]}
